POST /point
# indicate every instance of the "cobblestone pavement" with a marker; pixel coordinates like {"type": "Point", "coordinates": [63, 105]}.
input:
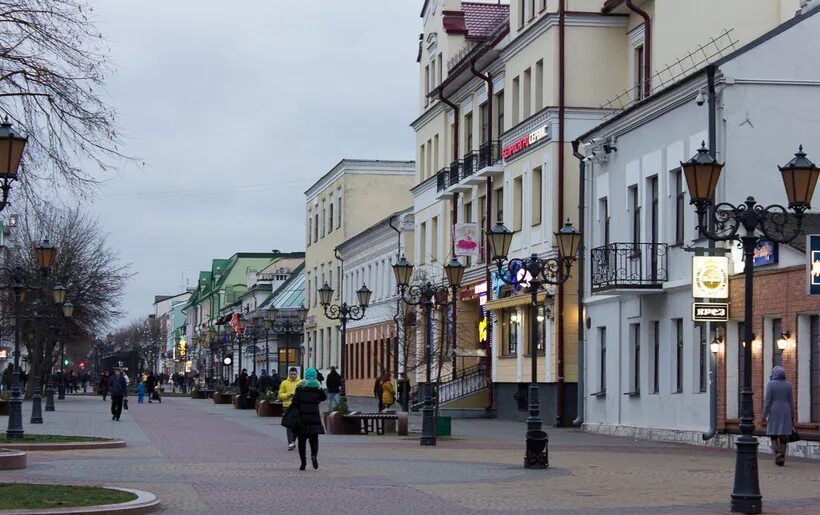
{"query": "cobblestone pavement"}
{"type": "Point", "coordinates": [199, 457]}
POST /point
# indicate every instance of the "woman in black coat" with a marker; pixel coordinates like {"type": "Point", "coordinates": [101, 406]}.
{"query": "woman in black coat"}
{"type": "Point", "coordinates": [308, 395]}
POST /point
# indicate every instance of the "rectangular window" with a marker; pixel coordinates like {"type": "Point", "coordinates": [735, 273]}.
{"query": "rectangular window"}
{"type": "Point", "coordinates": [509, 327]}
{"type": "Point", "coordinates": [677, 178]}
{"type": "Point", "coordinates": [482, 123]}
{"type": "Point", "coordinates": [434, 239]}
{"type": "Point", "coordinates": [635, 330]}
{"type": "Point", "coordinates": [541, 343]}
{"type": "Point", "coordinates": [653, 225]}
{"type": "Point", "coordinates": [537, 196]}
{"type": "Point", "coordinates": [330, 218]}
{"type": "Point", "coordinates": [324, 213]}
{"type": "Point", "coordinates": [542, 4]}
{"type": "Point", "coordinates": [777, 354]}
{"type": "Point", "coordinates": [635, 208]}
{"type": "Point", "coordinates": [499, 109]}
{"type": "Point", "coordinates": [309, 227]}
{"type": "Point", "coordinates": [468, 218]}
{"type": "Point", "coordinates": [468, 132]}
{"type": "Point", "coordinates": [520, 14]}
{"type": "Point", "coordinates": [434, 168]}
{"type": "Point", "coordinates": [420, 161]}
{"type": "Point", "coordinates": [482, 216]}
{"type": "Point", "coordinates": [516, 101]}
{"type": "Point", "coordinates": [309, 289]}
{"type": "Point", "coordinates": [678, 355]}
{"type": "Point", "coordinates": [602, 359]}
{"type": "Point", "coordinates": [422, 243]}
{"type": "Point", "coordinates": [703, 353]}
{"type": "Point", "coordinates": [639, 72]}
{"type": "Point", "coordinates": [316, 227]}
{"type": "Point", "coordinates": [427, 87]}
{"type": "Point", "coordinates": [339, 212]}
{"type": "Point", "coordinates": [518, 202]}
{"type": "Point", "coordinates": [527, 93]}
{"type": "Point", "coordinates": [532, 9]}
{"type": "Point", "coordinates": [499, 204]}
{"type": "Point", "coordinates": [439, 68]}
{"type": "Point", "coordinates": [656, 353]}
{"type": "Point", "coordinates": [539, 85]}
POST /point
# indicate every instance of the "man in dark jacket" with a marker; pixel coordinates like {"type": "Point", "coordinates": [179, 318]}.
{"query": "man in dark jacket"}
{"type": "Point", "coordinates": [333, 383]}
{"type": "Point", "coordinates": [264, 383]}
{"type": "Point", "coordinates": [242, 384]}
{"type": "Point", "coordinates": [151, 386]}
{"type": "Point", "coordinates": [118, 389]}
{"type": "Point", "coordinates": [275, 380]}
{"type": "Point", "coordinates": [404, 392]}
{"type": "Point", "coordinates": [377, 390]}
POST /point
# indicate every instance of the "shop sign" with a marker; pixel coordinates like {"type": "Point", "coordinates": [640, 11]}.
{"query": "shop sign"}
{"type": "Point", "coordinates": [524, 142]}
{"type": "Point", "coordinates": [710, 277]}
{"type": "Point", "coordinates": [813, 251]}
{"type": "Point", "coordinates": [467, 237]}
{"type": "Point", "coordinates": [765, 253]}
{"type": "Point", "coordinates": [716, 312]}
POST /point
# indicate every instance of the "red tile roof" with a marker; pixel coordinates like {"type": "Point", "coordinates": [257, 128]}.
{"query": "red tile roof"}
{"type": "Point", "coordinates": [482, 19]}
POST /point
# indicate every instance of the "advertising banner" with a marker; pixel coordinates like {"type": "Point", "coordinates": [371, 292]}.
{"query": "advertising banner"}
{"type": "Point", "coordinates": [710, 277]}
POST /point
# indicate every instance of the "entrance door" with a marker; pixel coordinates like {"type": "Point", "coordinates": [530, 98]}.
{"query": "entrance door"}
{"type": "Point", "coordinates": [814, 367]}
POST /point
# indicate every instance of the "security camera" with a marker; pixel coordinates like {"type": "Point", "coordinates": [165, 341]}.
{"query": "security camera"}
{"type": "Point", "coordinates": [610, 148]}
{"type": "Point", "coordinates": [593, 142]}
{"type": "Point", "coordinates": [700, 99]}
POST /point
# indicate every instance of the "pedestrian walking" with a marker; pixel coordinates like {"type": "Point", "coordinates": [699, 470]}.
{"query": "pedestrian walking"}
{"type": "Point", "coordinates": [403, 391]}
{"type": "Point", "coordinates": [102, 387]}
{"type": "Point", "coordinates": [388, 391]}
{"type": "Point", "coordinates": [264, 383]}
{"type": "Point", "coordinates": [333, 383]}
{"type": "Point", "coordinates": [306, 400]}
{"type": "Point", "coordinates": [150, 385]}
{"type": "Point", "coordinates": [119, 390]}
{"type": "Point", "coordinates": [286, 391]}
{"type": "Point", "coordinates": [7, 377]}
{"type": "Point", "coordinates": [243, 385]}
{"type": "Point", "coordinates": [141, 393]}
{"type": "Point", "coordinates": [778, 412]}
{"type": "Point", "coordinates": [377, 390]}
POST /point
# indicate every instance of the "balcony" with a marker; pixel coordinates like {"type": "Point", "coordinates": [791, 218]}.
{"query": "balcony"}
{"type": "Point", "coordinates": [455, 183]}
{"type": "Point", "coordinates": [629, 267]}
{"type": "Point", "coordinates": [442, 183]}
{"type": "Point", "coordinates": [490, 163]}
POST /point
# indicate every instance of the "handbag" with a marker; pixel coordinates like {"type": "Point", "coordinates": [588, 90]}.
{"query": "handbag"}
{"type": "Point", "coordinates": [794, 436]}
{"type": "Point", "coordinates": [292, 420]}
{"type": "Point", "coordinates": [125, 404]}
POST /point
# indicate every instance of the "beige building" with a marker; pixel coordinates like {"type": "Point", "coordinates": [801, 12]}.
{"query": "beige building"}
{"type": "Point", "coordinates": [351, 197]}
{"type": "Point", "coordinates": [504, 89]}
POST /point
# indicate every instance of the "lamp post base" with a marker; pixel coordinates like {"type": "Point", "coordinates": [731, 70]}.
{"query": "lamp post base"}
{"type": "Point", "coordinates": [36, 404]}
{"type": "Point", "coordinates": [49, 397]}
{"type": "Point", "coordinates": [15, 427]}
{"type": "Point", "coordinates": [746, 497]}
{"type": "Point", "coordinates": [428, 426]}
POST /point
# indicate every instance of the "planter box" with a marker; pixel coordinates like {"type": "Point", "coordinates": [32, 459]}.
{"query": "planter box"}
{"type": "Point", "coordinates": [222, 398]}
{"type": "Point", "coordinates": [249, 403]}
{"type": "Point", "coordinates": [443, 426]}
{"type": "Point", "coordinates": [335, 424]}
{"type": "Point", "coordinates": [268, 408]}
{"type": "Point", "coordinates": [4, 407]}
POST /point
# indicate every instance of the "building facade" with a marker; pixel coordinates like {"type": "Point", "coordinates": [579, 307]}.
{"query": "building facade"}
{"type": "Point", "coordinates": [351, 197]}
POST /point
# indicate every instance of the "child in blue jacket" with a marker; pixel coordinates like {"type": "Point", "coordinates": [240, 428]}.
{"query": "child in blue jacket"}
{"type": "Point", "coordinates": [140, 392]}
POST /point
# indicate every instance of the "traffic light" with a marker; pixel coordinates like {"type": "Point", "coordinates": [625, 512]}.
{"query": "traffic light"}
{"type": "Point", "coordinates": [82, 364]}
{"type": "Point", "coordinates": [66, 362]}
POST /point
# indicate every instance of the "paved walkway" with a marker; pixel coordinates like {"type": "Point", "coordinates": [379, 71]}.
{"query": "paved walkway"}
{"type": "Point", "coordinates": [199, 457]}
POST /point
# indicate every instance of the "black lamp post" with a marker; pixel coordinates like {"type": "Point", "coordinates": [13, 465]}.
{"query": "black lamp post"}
{"type": "Point", "coordinates": [344, 312]}
{"type": "Point", "coordinates": [425, 295]}
{"type": "Point", "coordinates": [722, 222]}
{"type": "Point", "coordinates": [68, 312]}
{"type": "Point", "coordinates": [16, 278]}
{"type": "Point", "coordinates": [53, 322]}
{"type": "Point", "coordinates": [11, 153]}
{"type": "Point", "coordinates": [533, 273]}
{"type": "Point", "coordinates": [45, 258]}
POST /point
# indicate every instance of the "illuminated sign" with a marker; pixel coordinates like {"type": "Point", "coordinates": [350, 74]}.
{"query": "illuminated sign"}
{"type": "Point", "coordinates": [703, 312]}
{"type": "Point", "coordinates": [524, 142]}
{"type": "Point", "coordinates": [710, 277]}
{"type": "Point", "coordinates": [4, 354]}
{"type": "Point", "coordinates": [813, 251]}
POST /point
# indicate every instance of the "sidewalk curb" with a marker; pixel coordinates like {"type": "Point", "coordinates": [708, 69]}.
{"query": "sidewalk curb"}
{"type": "Point", "coordinates": [12, 459]}
{"type": "Point", "coordinates": [66, 446]}
{"type": "Point", "coordinates": [146, 502]}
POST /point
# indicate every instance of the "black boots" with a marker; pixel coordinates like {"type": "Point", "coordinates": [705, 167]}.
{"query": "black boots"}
{"type": "Point", "coordinates": [315, 462]}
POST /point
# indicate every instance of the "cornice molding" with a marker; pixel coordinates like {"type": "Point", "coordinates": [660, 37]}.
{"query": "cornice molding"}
{"type": "Point", "coordinates": [592, 19]}
{"type": "Point", "coordinates": [359, 167]}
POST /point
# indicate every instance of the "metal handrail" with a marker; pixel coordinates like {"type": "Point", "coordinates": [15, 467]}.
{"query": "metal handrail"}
{"type": "Point", "coordinates": [489, 153]}
{"type": "Point", "coordinates": [629, 265]}
{"type": "Point", "coordinates": [441, 179]}
{"type": "Point", "coordinates": [469, 380]}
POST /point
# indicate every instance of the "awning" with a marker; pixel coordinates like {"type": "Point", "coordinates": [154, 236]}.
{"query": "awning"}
{"type": "Point", "coordinates": [509, 302]}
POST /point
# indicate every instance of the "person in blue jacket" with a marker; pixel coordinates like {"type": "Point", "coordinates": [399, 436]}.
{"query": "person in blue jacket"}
{"type": "Point", "coordinates": [141, 393]}
{"type": "Point", "coordinates": [118, 389]}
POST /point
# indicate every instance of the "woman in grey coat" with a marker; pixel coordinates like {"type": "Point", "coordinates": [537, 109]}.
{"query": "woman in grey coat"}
{"type": "Point", "coordinates": [778, 410]}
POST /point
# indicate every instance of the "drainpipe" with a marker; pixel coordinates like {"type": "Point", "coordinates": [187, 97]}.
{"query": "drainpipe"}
{"type": "Point", "coordinates": [454, 218]}
{"type": "Point", "coordinates": [396, 317]}
{"type": "Point", "coordinates": [488, 218]}
{"type": "Point", "coordinates": [341, 296]}
{"type": "Point", "coordinates": [581, 222]}
{"type": "Point", "coordinates": [712, 113]}
{"type": "Point", "coordinates": [647, 46]}
{"type": "Point", "coordinates": [559, 398]}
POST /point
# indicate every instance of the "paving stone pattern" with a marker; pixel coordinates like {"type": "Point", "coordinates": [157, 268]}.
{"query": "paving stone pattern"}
{"type": "Point", "coordinates": [198, 457]}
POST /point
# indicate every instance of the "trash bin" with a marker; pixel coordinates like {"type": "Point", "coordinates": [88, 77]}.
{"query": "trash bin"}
{"type": "Point", "coordinates": [536, 455]}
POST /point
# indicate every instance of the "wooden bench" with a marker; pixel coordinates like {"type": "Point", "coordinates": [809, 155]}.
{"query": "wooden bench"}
{"type": "Point", "coordinates": [374, 422]}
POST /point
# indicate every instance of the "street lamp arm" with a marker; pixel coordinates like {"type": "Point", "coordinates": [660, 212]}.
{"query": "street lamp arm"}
{"type": "Point", "coordinates": [344, 311]}
{"type": "Point", "coordinates": [420, 294]}
{"type": "Point", "coordinates": [538, 270]}
{"type": "Point", "coordinates": [726, 219]}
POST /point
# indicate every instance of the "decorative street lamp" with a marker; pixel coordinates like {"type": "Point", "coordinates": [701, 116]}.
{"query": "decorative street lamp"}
{"type": "Point", "coordinates": [425, 295]}
{"type": "Point", "coordinates": [533, 273]}
{"type": "Point", "coordinates": [722, 222]}
{"type": "Point", "coordinates": [343, 312]}
{"type": "Point", "coordinates": [54, 322]}
{"type": "Point", "coordinates": [11, 153]}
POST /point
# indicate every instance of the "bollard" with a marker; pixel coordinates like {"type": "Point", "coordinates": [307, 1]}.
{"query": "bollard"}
{"type": "Point", "coordinates": [536, 455]}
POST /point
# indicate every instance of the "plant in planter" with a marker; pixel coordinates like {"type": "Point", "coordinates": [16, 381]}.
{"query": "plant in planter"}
{"type": "Point", "coordinates": [268, 406]}
{"type": "Point", "coordinates": [335, 422]}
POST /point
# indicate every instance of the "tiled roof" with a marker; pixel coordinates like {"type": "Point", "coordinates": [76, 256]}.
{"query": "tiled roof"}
{"type": "Point", "coordinates": [482, 19]}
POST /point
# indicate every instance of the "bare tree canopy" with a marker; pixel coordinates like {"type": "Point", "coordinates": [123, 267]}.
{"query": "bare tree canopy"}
{"type": "Point", "coordinates": [52, 64]}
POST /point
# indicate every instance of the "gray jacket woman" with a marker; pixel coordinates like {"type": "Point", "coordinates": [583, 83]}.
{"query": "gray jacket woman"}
{"type": "Point", "coordinates": [778, 410]}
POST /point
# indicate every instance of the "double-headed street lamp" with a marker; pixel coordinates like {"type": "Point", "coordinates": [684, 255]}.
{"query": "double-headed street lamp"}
{"type": "Point", "coordinates": [18, 280]}
{"type": "Point", "coordinates": [533, 273]}
{"type": "Point", "coordinates": [343, 313]}
{"type": "Point", "coordinates": [425, 295]}
{"type": "Point", "coordinates": [722, 222]}
{"type": "Point", "coordinates": [281, 325]}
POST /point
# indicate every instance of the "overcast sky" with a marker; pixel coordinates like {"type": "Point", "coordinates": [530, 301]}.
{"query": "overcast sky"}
{"type": "Point", "coordinates": [236, 109]}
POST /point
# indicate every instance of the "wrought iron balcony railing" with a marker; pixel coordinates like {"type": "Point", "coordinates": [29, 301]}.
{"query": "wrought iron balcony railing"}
{"type": "Point", "coordinates": [489, 153]}
{"type": "Point", "coordinates": [469, 165]}
{"type": "Point", "coordinates": [441, 179]}
{"type": "Point", "coordinates": [455, 169]}
{"type": "Point", "coordinates": [629, 266]}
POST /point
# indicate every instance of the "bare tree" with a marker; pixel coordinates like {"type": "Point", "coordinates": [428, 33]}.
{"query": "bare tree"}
{"type": "Point", "coordinates": [52, 71]}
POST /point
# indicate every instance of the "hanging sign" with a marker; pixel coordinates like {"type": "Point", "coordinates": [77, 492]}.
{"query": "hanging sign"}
{"type": "Point", "coordinates": [715, 312]}
{"type": "Point", "coordinates": [467, 237]}
{"type": "Point", "coordinates": [710, 277]}
{"type": "Point", "coordinates": [813, 268]}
